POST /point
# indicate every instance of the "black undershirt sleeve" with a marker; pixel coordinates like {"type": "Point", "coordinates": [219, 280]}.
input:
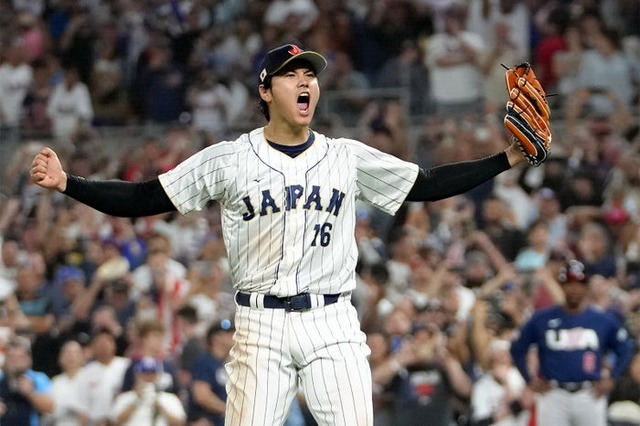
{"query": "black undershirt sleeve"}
{"type": "Point", "coordinates": [452, 179]}
{"type": "Point", "coordinates": [120, 198]}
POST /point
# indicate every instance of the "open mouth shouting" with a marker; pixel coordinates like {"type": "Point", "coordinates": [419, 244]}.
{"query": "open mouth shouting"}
{"type": "Point", "coordinates": [303, 102]}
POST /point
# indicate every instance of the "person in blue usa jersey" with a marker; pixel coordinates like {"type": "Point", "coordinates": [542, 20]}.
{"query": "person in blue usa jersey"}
{"type": "Point", "coordinates": [573, 342]}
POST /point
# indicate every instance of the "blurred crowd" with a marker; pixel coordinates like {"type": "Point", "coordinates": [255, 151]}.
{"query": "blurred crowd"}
{"type": "Point", "coordinates": [97, 308]}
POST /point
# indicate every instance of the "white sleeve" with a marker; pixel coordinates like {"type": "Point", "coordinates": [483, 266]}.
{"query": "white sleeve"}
{"type": "Point", "coordinates": [201, 177]}
{"type": "Point", "coordinates": [383, 180]}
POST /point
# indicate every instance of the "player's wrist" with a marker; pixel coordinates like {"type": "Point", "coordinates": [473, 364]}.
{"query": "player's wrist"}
{"type": "Point", "coordinates": [62, 186]}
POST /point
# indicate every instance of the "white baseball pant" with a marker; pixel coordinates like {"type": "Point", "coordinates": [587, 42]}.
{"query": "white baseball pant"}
{"type": "Point", "coordinates": [322, 350]}
{"type": "Point", "coordinates": [559, 407]}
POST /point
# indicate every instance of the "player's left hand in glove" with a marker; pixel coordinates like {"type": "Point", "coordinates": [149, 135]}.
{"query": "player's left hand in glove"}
{"type": "Point", "coordinates": [528, 112]}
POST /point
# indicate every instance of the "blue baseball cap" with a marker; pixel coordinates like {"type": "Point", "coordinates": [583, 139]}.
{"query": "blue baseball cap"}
{"type": "Point", "coordinates": [147, 365]}
{"type": "Point", "coordinates": [67, 273]}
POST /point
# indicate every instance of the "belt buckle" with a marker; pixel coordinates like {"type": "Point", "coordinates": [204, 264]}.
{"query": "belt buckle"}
{"type": "Point", "coordinates": [572, 387]}
{"type": "Point", "coordinates": [299, 302]}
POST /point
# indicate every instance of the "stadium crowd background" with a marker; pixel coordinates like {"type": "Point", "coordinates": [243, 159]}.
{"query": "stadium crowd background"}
{"type": "Point", "coordinates": [150, 82]}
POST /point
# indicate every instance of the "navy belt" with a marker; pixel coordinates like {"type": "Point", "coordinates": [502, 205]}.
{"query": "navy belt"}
{"type": "Point", "coordinates": [299, 302]}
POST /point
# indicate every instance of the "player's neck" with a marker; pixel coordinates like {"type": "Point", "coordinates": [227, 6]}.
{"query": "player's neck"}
{"type": "Point", "coordinates": [284, 134]}
{"type": "Point", "coordinates": [572, 309]}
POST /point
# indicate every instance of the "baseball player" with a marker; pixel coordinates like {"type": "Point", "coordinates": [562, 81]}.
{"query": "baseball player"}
{"type": "Point", "coordinates": [287, 195]}
{"type": "Point", "coordinates": [573, 342]}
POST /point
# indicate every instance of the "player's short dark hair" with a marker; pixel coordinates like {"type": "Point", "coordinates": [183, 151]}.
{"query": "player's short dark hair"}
{"type": "Point", "coordinates": [262, 104]}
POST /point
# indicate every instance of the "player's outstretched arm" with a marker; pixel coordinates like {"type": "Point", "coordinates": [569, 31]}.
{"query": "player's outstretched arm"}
{"type": "Point", "coordinates": [112, 197]}
{"type": "Point", "coordinates": [47, 172]}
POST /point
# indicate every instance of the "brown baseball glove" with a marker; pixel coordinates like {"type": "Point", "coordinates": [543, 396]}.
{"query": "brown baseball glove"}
{"type": "Point", "coordinates": [528, 112]}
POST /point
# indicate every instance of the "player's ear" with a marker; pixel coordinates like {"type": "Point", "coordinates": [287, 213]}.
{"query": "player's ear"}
{"type": "Point", "coordinates": [265, 93]}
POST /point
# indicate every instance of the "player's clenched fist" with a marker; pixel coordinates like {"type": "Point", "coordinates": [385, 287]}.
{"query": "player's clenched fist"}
{"type": "Point", "coordinates": [47, 172]}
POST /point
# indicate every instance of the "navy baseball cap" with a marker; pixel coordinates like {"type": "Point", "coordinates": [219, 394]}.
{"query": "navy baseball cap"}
{"type": "Point", "coordinates": [277, 58]}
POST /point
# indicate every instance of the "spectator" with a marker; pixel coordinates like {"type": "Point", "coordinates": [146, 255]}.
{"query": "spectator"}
{"type": "Point", "coordinates": [77, 42]}
{"type": "Point", "coordinates": [498, 222]}
{"type": "Point", "coordinates": [69, 106]}
{"type": "Point", "coordinates": [594, 250]}
{"type": "Point", "coordinates": [406, 71]}
{"type": "Point", "coordinates": [151, 343]}
{"type": "Point", "coordinates": [16, 78]}
{"type": "Point", "coordinates": [536, 253]}
{"type": "Point", "coordinates": [427, 380]}
{"type": "Point", "coordinates": [381, 368]}
{"type": "Point", "coordinates": [11, 256]}
{"type": "Point", "coordinates": [64, 291]}
{"type": "Point", "coordinates": [208, 294]}
{"type": "Point", "coordinates": [36, 122]}
{"type": "Point", "coordinates": [38, 309]}
{"type": "Point", "coordinates": [104, 317]}
{"type": "Point", "coordinates": [192, 346]}
{"type": "Point", "coordinates": [484, 16]}
{"type": "Point", "coordinates": [552, 28]}
{"type": "Point", "coordinates": [566, 63]}
{"type": "Point", "coordinates": [25, 394]}
{"type": "Point", "coordinates": [351, 85]}
{"type": "Point", "coordinates": [145, 404]}
{"type": "Point", "coordinates": [605, 294]}
{"type": "Point", "coordinates": [208, 394]}
{"type": "Point", "coordinates": [160, 285]}
{"type": "Point", "coordinates": [64, 386]}
{"type": "Point", "coordinates": [210, 101]}
{"type": "Point", "coordinates": [160, 86]}
{"type": "Point", "coordinates": [496, 395]}
{"type": "Point", "coordinates": [451, 58]}
{"type": "Point", "coordinates": [580, 189]}
{"type": "Point", "coordinates": [376, 306]}
{"type": "Point", "coordinates": [403, 252]}
{"type": "Point", "coordinates": [549, 210]}
{"type": "Point", "coordinates": [107, 85]}
{"type": "Point", "coordinates": [604, 79]}
{"type": "Point", "coordinates": [100, 380]}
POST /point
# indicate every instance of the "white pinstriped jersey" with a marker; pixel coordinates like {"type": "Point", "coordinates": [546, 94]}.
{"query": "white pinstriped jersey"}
{"type": "Point", "coordinates": [289, 223]}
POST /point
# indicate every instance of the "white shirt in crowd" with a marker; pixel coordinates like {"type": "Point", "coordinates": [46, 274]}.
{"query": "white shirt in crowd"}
{"type": "Point", "coordinates": [146, 414]}
{"type": "Point", "coordinates": [15, 82]}
{"type": "Point", "coordinates": [98, 384]}
{"type": "Point", "coordinates": [64, 390]}
{"type": "Point", "coordinates": [69, 108]}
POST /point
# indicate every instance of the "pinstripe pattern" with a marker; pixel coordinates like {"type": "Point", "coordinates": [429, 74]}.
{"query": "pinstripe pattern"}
{"type": "Point", "coordinates": [274, 253]}
{"type": "Point", "coordinates": [288, 225]}
{"type": "Point", "coordinates": [324, 346]}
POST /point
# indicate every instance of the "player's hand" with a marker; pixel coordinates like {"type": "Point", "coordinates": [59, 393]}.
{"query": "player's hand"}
{"type": "Point", "coordinates": [603, 387]}
{"type": "Point", "coordinates": [537, 385]}
{"type": "Point", "coordinates": [46, 171]}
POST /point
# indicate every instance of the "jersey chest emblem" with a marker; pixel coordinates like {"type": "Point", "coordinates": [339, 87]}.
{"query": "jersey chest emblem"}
{"type": "Point", "coordinates": [572, 339]}
{"type": "Point", "coordinates": [295, 196]}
